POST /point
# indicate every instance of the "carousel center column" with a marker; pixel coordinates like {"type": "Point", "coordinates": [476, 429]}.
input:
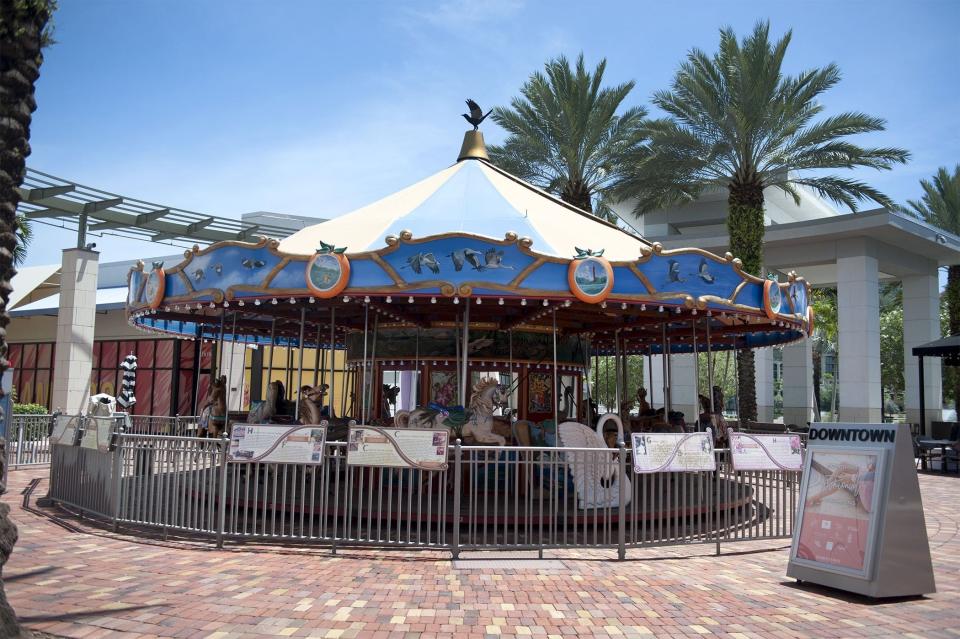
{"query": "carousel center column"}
{"type": "Point", "coordinates": [75, 329]}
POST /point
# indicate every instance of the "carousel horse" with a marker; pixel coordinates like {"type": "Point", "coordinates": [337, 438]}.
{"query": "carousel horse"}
{"type": "Point", "coordinates": [644, 405]}
{"type": "Point", "coordinates": [307, 405]}
{"type": "Point", "coordinates": [215, 408]}
{"type": "Point", "coordinates": [388, 398]}
{"type": "Point", "coordinates": [476, 421]}
{"type": "Point", "coordinates": [596, 476]}
{"type": "Point", "coordinates": [714, 420]}
{"type": "Point", "coordinates": [264, 412]}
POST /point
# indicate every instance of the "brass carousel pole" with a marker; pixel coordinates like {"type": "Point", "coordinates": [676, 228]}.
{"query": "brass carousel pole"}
{"type": "Point", "coordinates": [666, 377]}
{"type": "Point", "coordinates": [363, 376]}
{"type": "Point", "coordinates": [373, 366]}
{"type": "Point", "coordinates": [273, 339]}
{"type": "Point", "coordinates": [303, 326]}
{"type": "Point", "coordinates": [318, 362]}
{"type": "Point", "coordinates": [333, 352]}
{"type": "Point", "coordinates": [556, 387]}
{"type": "Point", "coordinates": [713, 409]}
{"type": "Point", "coordinates": [616, 372]}
{"type": "Point", "coordinates": [463, 352]}
{"type": "Point", "coordinates": [696, 371]}
{"type": "Point", "coordinates": [233, 343]}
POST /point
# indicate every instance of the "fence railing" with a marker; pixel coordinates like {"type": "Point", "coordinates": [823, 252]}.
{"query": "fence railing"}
{"type": "Point", "coordinates": [174, 426]}
{"type": "Point", "coordinates": [27, 443]}
{"type": "Point", "coordinates": [487, 497]}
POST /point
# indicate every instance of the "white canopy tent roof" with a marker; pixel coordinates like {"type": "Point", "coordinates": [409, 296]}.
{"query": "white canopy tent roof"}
{"type": "Point", "coordinates": [474, 197]}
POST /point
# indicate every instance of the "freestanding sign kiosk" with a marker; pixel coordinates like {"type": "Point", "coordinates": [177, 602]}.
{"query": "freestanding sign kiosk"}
{"type": "Point", "coordinates": [860, 522]}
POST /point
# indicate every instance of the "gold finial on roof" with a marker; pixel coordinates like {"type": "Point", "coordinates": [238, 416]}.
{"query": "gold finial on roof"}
{"type": "Point", "coordinates": [473, 147]}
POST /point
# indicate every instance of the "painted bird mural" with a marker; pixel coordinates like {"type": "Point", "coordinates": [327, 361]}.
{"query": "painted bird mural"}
{"type": "Point", "coordinates": [421, 260]}
{"type": "Point", "coordinates": [466, 256]}
{"type": "Point", "coordinates": [673, 274]}
{"type": "Point", "coordinates": [252, 263]}
{"type": "Point", "coordinates": [704, 273]}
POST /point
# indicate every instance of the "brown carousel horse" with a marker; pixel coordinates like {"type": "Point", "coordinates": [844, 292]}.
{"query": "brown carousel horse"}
{"type": "Point", "coordinates": [216, 408]}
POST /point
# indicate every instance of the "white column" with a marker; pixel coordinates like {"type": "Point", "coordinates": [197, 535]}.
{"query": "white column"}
{"type": "Point", "coordinates": [683, 395]}
{"type": "Point", "coordinates": [921, 324]}
{"type": "Point", "coordinates": [798, 382]}
{"type": "Point", "coordinates": [859, 335]}
{"type": "Point", "coordinates": [763, 360]}
{"type": "Point", "coordinates": [232, 365]}
{"type": "Point", "coordinates": [75, 323]}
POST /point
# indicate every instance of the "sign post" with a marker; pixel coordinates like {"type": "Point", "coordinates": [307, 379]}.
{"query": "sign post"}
{"type": "Point", "coordinates": [860, 521]}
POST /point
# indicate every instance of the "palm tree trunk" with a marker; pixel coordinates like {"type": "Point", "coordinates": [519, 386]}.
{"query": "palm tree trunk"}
{"type": "Point", "coordinates": [817, 363]}
{"type": "Point", "coordinates": [22, 35]}
{"type": "Point", "coordinates": [953, 318]}
{"type": "Point", "coordinates": [745, 227]}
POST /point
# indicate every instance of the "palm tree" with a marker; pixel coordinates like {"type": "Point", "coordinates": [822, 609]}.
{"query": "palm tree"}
{"type": "Point", "coordinates": [940, 206]}
{"type": "Point", "coordinates": [24, 237]}
{"type": "Point", "coordinates": [565, 135]}
{"type": "Point", "coordinates": [23, 33]}
{"type": "Point", "coordinates": [735, 121]}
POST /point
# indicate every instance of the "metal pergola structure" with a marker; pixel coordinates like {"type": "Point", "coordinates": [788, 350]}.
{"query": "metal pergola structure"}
{"type": "Point", "coordinates": [53, 200]}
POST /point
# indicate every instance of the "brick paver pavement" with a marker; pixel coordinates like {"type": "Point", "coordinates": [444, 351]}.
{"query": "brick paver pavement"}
{"type": "Point", "coordinates": [70, 579]}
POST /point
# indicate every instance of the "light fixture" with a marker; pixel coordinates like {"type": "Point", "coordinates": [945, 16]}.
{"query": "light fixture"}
{"type": "Point", "coordinates": [389, 299]}
{"type": "Point", "coordinates": [410, 300]}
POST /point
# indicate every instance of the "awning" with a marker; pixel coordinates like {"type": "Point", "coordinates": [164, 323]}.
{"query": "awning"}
{"type": "Point", "coordinates": [108, 299]}
{"type": "Point", "coordinates": [948, 348]}
{"type": "Point", "coordinates": [33, 283]}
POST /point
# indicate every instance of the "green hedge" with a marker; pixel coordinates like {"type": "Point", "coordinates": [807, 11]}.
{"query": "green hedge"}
{"type": "Point", "coordinates": [29, 409]}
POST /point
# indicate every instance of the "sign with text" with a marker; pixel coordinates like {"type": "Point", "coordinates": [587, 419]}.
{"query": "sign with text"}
{"type": "Point", "coordinates": [860, 524]}
{"type": "Point", "coordinates": [421, 448]}
{"type": "Point", "coordinates": [766, 452]}
{"type": "Point", "coordinates": [277, 444]}
{"type": "Point", "coordinates": [65, 430]}
{"type": "Point", "coordinates": [673, 452]}
{"type": "Point", "coordinates": [838, 515]}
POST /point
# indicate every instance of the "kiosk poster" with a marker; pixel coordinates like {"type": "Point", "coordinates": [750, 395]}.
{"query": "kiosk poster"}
{"type": "Point", "coordinates": [272, 443]}
{"type": "Point", "coordinates": [65, 430]}
{"type": "Point", "coordinates": [673, 452]}
{"type": "Point", "coordinates": [766, 452]}
{"type": "Point", "coordinates": [838, 512]}
{"type": "Point", "coordinates": [421, 448]}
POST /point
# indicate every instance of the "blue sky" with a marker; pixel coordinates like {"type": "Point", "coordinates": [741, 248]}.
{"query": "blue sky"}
{"type": "Point", "coordinates": [315, 108]}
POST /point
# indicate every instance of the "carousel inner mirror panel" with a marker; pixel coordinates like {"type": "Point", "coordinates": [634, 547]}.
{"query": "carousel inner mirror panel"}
{"type": "Point", "coordinates": [443, 377]}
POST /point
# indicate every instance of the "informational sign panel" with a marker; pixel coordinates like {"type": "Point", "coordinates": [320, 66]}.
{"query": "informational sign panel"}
{"type": "Point", "coordinates": [673, 452]}
{"type": "Point", "coordinates": [98, 433]}
{"type": "Point", "coordinates": [766, 452]}
{"type": "Point", "coordinates": [65, 430]}
{"type": "Point", "coordinates": [860, 524]}
{"type": "Point", "coordinates": [838, 521]}
{"type": "Point", "coordinates": [273, 443]}
{"type": "Point", "coordinates": [421, 448]}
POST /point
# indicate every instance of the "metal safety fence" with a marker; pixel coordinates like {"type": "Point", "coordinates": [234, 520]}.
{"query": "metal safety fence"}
{"type": "Point", "coordinates": [27, 441]}
{"type": "Point", "coordinates": [516, 498]}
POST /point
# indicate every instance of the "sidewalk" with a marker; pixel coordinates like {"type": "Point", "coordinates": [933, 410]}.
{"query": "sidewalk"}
{"type": "Point", "coordinates": [70, 579]}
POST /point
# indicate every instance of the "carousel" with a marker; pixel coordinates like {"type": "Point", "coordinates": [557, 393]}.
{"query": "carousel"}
{"type": "Point", "coordinates": [470, 302]}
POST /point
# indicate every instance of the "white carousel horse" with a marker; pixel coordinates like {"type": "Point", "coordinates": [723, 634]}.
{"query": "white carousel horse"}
{"type": "Point", "coordinates": [265, 411]}
{"type": "Point", "coordinates": [596, 475]}
{"type": "Point", "coordinates": [477, 420]}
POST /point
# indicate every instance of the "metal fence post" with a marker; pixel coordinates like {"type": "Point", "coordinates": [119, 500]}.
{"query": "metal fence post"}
{"type": "Point", "coordinates": [19, 441]}
{"type": "Point", "coordinates": [621, 505]}
{"type": "Point", "coordinates": [457, 474]}
{"type": "Point", "coordinates": [222, 499]}
{"type": "Point", "coordinates": [716, 499]}
{"type": "Point", "coordinates": [117, 478]}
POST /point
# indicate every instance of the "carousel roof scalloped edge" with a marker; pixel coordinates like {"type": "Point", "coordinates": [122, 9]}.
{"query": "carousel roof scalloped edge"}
{"type": "Point", "coordinates": [455, 265]}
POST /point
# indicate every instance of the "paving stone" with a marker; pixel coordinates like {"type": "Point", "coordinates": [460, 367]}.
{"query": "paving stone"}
{"type": "Point", "coordinates": [70, 578]}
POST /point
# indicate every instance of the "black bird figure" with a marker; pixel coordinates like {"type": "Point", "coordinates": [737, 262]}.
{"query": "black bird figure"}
{"type": "Point", "coordinates": [476, 114]}
{"type": "Point", "coordinates": [673, 275]}
{"type": "Point", "coordinates": [704, 274]}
